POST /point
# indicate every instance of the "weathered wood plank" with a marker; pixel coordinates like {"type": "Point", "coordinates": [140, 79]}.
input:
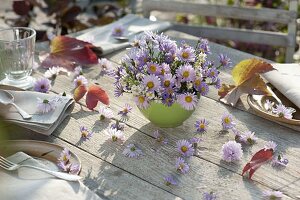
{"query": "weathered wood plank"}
{"type": "Point", "coordinates": [105, 179]}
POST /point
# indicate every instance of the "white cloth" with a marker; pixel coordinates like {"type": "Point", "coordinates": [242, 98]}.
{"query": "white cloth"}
{"type": "Point", "coordinates": [41, 123]}
{"type": "Point", "coordinates": [133, 25]}
{"type": "Point", "coordinates": [31, 184]}
{"type": "Point", "coordinates": [286, 78]}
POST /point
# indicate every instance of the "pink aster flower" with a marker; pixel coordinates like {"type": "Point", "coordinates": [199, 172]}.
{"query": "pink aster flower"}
{"type": "Point", "coordinates": [185, 148]}
{"type": "Point", "coordinates": [209, 196]}
{"type": "Point", "coordinates": [270, 145]}
{"type": "Point", "coordinates": [45, 105]}
{"type": "Point", "coordinates": [85, 133]}
{"type": "Point", "coordinates": [186, 73]}
{"type": "Point", "coordinates": [132, 151]}
{"type": "Point", "coordinates": [280, 161]}
{"type": "Point", "coordinates": [188, 101]}
{"type": "Point", "coordinates": [153, 68]}
{"type": "Point", "coordinates": [42, 85]}
{"type": "Point", "coordinates": [182, 166]}
{"type": "Point", "coordinates": [105, 113]}
{"type": "Point", "coordinates": [186, 54]}
{"type": "Point", "coordinates": [159, 138]}
{"type": "Point", "coordinates": [116, 135]}
{"type": "Point", "coordinates": [118, 31]}
{"type": "Point", "coordinates": [80, 80]}
{"type": "Point", "coordinates": [272, 195]}
{"type": "Point", "coordinates": [232, 151]}
{"type": "Point", "coordinates": [284, 112]}
{"type": "Point", "coordinates": [142, 101]}
{"type": "Point", "coordinates": [151, 82]}
{"type": "Point", "coordinates": [248, 137]}
{"type": "Point", "coordinates": [169, 180]}
{"type": "Point", "coordinates": [126, 109]}
{"type": "Point", "coordinates": [201, 125]}
{"type": "Point", "coordinates": [227, 121]}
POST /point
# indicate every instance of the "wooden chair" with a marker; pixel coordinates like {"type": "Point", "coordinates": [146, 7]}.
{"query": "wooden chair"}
{"type": "Point", "coordinates": [288, 17]}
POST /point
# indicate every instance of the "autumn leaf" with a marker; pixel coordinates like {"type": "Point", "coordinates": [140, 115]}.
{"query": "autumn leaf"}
{"type": "Point", "coordinates": [79, 92]}
{"type": "Point", "coordinates": [95, 94]}
{"type": "Point", "coordinates": [225, 89]}
{"type": "Point", "coordinates": [259, 158]}
{"type": "Point", "coordinates": [68, 52]}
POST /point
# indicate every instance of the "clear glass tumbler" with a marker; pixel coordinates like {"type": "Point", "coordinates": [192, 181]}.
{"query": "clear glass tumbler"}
{"type": "Point", "coordinates": [17, 47]}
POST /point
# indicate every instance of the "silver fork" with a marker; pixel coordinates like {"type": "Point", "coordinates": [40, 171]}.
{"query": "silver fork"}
{"type": "Point", "coordinates": [10, 166]}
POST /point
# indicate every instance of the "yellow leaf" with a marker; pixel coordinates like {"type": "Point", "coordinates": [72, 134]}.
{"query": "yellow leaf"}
{"type": "Point", "coordinates": [246, 69]}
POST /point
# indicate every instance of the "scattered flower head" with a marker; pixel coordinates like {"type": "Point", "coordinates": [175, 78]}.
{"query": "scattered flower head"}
{"type": "Point", "coordinates": [71, 168]}
{"type": "Point", "coordinates": [227, 121]}
{"type": "Point", "coordinates": [45, 105]}
{"type": "Point", "coordinates": [185, 148]}
{"type": "Point", "coordinates": [105, 65]}
{"type": "Point", "coordinates": [116, 135]}
{"type": "Point", "coordinates": [248, 137]}
{"type": "Point", "coordinates": [169, 180]}
{"type": "Point", "coordinates": [80, 80]}
{"type": "Point", "coordinates": [270, 145]}
{"type": "Point", "coordinates": [118, 125]}
{"type": "Point", "coordinates": [118, 31]}
{"type": "Point", "coordinates": [126, 110]}
{"type": "Point", "coordinates": [159, 138]}
{"type": "Point", "coordinates": [231, 151]}
{"type": "Point", "coordinates": [85, 133]}
{"type": "Point", "coordinates": [132, 151]}
{"type": "Point", "coordinates": [194, 141]}
{"type": "Point", "coordinates": [280, 161]}
{"type": "Point", "coordinates": [78, 71]}
{"type": "Point", "coordinates": [181, 165]}
{"type": "Point", "coordinates": [209, 196]}
{"type": "Point", "coordinates": [42, 85]}
{"type": "Point", "coordinates": [201, 125]}
{"type": "Point", "coordinates": [283, 112]}
{"type": "Point", "coordinates": [53, 72]}
{"type": "Point", "coordinates": [64, 156]}
{"type": "Point", "coordinates": [272, 195]}
{"type": "Point", "coordinates": [224, 60]}
{"type": "Point", "coordinates": [105, 112]}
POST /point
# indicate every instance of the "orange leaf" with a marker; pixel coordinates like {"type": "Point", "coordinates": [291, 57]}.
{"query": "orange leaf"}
{"type": "Point", "coordinates": [246, 69]}
{"type": "Point", "coordinates": [225, 89]}
{"type": "Point", "coordinates": [95, 94]}
{"type": "Point", "coordinates": [79, 92]}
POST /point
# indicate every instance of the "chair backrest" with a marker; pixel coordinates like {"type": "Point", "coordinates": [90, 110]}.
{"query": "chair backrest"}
{"type": "Point", "coordinates": [288, 17]}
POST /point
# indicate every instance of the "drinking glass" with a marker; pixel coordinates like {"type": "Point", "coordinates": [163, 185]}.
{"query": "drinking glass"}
{"type": "Point", "coordinates": [17, 46]}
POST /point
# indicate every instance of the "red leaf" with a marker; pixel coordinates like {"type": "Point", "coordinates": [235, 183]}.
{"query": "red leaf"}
{"type": "Point", "coordinates": [95, 94]}
{"type": "Point", "coordinates": [257, 160]}
{"type": "Point", "coordinates": [66, 51]}
{"type": "Point", "coordinates": [79, 92]}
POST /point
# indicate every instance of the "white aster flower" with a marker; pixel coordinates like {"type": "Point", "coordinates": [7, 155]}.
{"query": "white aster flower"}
{"type": "Point", "coordinates": [115, 135]}
{"type": "Point", "coordinates": [105, 113]}
{"type": "Point", "coordinates": [45, 105]}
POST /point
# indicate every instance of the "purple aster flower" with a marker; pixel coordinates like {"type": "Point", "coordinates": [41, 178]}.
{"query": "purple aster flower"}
{"type": "Point", "coordinates": [194, 141]}
{"type": "Point", "coordinates": [269, 105]}
{"type": "Point", "coordinates": [182, 166]}
{"type": "Point", "coordinates": [204, 89]}
{"type": "Point", "coordinates": [165, 69]}
{"type": "Point", "coordinates": [185, 148]}
{"type": "Point", "coordinates": [169, 180]}
{"type": "Point", "coordinates": [74, 168]}
{"type": "Point", "coordinates": [152, 82]}
{"type": "Point", "coordinates": [85, 133]}
{"type": "Point", "coordinates": [132, 151]}
{"type": "Point", "coordinates": [159, 138]}
{"type": "Point", "coordinates": [209, 196]}
{"type": "Point", "coordinates": [62, 166]}
{"type": "Point", "coordinates": [212, 73]}
{"type": "Point", "coordinates": [153, 68]}
{"type": "Point", "coordinates": [167, 99]}
{"type": "Point", "coordinates": [217, 83]}
{"type": "Point", "coordinates": [116, 135]}
{"type": "Point", "coordinates": [284, 112]}
{"type": "Point", "coordinates": [237, 134]}
{"type": "Point", "coordinates": [272, 195]}
{"type": "Point", "coordinates": [118, 125]}
{"type": "Point", "coordinates": [141, 101]}
{"type": "Point", "coordinates": [127, 109]}
{"type": "Point", "coordinates": [80, 80]}
{"type": "Point", "coordinates": [118, 31]}
{"type": "Point", "coordinates": [227, 121]}
{"type": "Point", "coordinates": [45, 105]}
{"type": "Point", "coordinates": [224, 60]}
{"type": "Point", "coordinates": [201, 125]}
{"type": "Point", "coordinates": [105, 113]}
{"type": "Point", "coordinates": [203, 46]}
{"type": "Point", "coordinates": [232, 151]}
{"type": "Point", "coordinates": [248, 137]}
{"type": "Point", "coordinates": [197, 83]}
{"type": "Point", "coordinates": [42, 85]}
{"type": "Point", "coordinates": [188, 101]}
{"type": "Point", "coordinates": [186, 54]}
{"type": "Point", "coordinates": [168, 81]}
{"type": "Point", "coordinates": [142, 57]}
{"type": "Point", "coordinates": [64, 156]}
{"type": "Point", "coordinates": [280, 161]}
{"type": "Point", "coordinates": [270, 145]}
{"type": "Point", "coordinates": [186, 73]}
{"type": "Point", "coordinates": [119, 90]}
{"type": "Point", "coordinates": [105, 65]}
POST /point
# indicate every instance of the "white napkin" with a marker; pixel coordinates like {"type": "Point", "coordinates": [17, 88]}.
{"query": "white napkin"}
{"type": "Point", "coordinates": [286, 78]}
{"type": "Point", "coordinates": [41, 123]}
{"type": "Point", "coordinates": [133, 24]}
{"type": "Point", "coordinates": [27, 183]}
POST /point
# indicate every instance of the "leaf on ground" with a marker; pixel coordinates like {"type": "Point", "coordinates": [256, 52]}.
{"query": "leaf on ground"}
{"type": "Point", "coordinates": [79, 92]}
{"type": "Point", "coordinates": [68, 52]}
{"type": "Point", "coordinates": [95, 94]}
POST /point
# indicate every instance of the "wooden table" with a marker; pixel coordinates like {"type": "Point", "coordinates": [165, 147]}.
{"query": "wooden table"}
{"type": "Point", "coordinates": [111, 175]}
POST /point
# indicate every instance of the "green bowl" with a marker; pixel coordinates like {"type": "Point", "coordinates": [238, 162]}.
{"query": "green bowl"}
{"type": "Point", "coordinates": [164, 116]}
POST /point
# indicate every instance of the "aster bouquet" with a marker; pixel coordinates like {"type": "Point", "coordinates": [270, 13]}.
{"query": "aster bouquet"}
{"type": "Point", "coordinates": [157, 70]}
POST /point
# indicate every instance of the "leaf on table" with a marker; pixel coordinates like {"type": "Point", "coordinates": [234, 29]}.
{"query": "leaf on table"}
{"type": "Point", "coordinates": [68, 52]}
{"type": "Point", "coordinates": [225, 89]}
{"type": "Point", "coordinates": [79, 92]}
{"type": "Point", "coordinates": [259, 158]}
{"type": "Point", "coordinates": [95, 94]}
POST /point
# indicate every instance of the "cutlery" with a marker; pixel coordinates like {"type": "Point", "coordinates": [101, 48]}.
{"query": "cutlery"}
{"type": "Point", "coordinates": [126, 38]}
{"type": "Point", "coordinates": [7, 98]}
{"type": "Point", "coordinates": [10, 166]}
